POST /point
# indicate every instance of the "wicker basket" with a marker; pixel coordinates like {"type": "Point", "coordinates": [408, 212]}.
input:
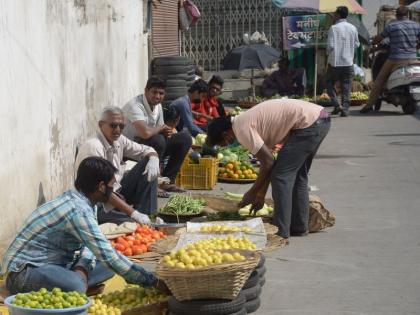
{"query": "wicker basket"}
{"type": "Point", "coordinates": [358, 102]}
{"type": "Point", "coordinates": [223, 281]}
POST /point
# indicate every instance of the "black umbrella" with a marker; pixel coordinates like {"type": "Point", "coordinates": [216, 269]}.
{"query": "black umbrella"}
{"type": "Point", "coordinates": [253, 56]}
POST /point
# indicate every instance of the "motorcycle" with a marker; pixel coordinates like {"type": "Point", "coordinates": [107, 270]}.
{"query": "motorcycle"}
{"type": "Point", "coordinates": [403, 85]}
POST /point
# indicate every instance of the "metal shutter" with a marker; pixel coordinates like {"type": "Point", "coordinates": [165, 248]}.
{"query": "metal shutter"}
{"type": "Point", "coordinates": [165, 40]}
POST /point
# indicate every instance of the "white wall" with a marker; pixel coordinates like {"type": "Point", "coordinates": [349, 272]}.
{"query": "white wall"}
{"type": "Point", "coordinates": [372, 8]}
{"type": "Point", "coordinates": [61, 61]}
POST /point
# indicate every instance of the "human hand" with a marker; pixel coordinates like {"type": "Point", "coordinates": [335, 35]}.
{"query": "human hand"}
{"type": "Point", "coordinates": [152, 168]}
{"type": "Point", "coordinates": [140, 218]}
{"type": "Point", "coordinates": [166, 131]}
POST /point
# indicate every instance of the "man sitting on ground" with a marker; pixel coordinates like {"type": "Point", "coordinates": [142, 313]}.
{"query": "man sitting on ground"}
{"type": "Point", "coordinates": [285, 81]}
{"type": "Point", "coordinates": [145, 125]}
{"type": "Point", "coordinates": [44, 253]}
{"type": "Point", "coordinates": [183, 104]}
{"type": "Point", "coordinates": [139, 186]}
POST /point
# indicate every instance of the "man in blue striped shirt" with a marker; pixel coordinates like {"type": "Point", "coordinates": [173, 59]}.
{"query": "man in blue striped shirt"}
{"type": "Point", "coordinates": [61, 245]}
{"type": "Point", "coordinates": [403, 35]}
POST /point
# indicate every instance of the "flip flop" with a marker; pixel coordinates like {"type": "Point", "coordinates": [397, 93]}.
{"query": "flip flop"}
{"type": "Point", "coordinates": [163, 193]}
{"type": "Point", "coordinates": [173, 188]}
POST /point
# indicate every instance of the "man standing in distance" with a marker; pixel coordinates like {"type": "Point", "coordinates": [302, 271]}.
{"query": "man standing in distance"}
{"type": "Point", "coordinates": [342, 41]}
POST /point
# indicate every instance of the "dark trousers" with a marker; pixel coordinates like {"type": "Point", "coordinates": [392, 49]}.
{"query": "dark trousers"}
{"type": "Point", "coordinates": [175, 148]}
{"type": "Point", "coordinates": [289, 177]}
{"type": "Point", "coordinates": [136, 191]}
{"type": "Point", "coordinates": [343, 75]}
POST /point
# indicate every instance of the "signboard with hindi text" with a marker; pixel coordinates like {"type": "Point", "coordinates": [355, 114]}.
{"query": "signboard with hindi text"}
{"type": "Point", "coordinates": [306, 31]}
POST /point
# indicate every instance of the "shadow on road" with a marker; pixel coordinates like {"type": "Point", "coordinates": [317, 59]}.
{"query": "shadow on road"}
{"type": "Point", "coordinates": [343, 156]}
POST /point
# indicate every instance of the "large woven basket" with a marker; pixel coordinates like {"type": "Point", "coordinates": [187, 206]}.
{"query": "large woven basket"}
{"type": "Point", "coordinates": [223, 281]}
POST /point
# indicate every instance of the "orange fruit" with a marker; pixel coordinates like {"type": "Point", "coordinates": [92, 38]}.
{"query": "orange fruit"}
{"type": "Point", "coordinates": [239, 172]}
{"type": "Point", "coordinates": [229, 166]}
{"type": "Point", "coordinates": [224, 175]}
{"type": "Point", "coordinates": [235, 176]}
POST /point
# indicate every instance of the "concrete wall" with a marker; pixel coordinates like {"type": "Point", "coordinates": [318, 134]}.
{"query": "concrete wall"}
{"type": "Point", "coordinates": [372, 8]}
{"type": "Point", "coordinates": [61, 61]}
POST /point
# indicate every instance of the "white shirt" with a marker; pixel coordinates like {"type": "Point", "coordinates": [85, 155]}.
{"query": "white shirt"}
{"type": "Point", "coordinates": [123, 147]}
{"type": "Point", "coordinates": [342, 41]}
{"type": "Point", "coordinates": [139, 109]}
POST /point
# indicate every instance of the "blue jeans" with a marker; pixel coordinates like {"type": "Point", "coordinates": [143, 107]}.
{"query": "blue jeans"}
{"type": "Point", "coordinates": [54, 276]}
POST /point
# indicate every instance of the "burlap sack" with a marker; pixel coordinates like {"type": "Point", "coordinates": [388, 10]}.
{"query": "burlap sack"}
{"type": "Point", "coordinates": [319, 217]}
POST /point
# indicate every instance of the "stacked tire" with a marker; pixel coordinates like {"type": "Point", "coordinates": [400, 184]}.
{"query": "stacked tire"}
{"type": "Point", "coordinates": [247, 302]}
{"type": "Point", "coordinates": [179, 73]}
{"type": "Point", "coordinates": [253, 287]}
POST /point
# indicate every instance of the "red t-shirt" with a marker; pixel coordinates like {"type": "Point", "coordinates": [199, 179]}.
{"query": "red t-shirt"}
{"type": "Point", "coordinates": [208, 106]}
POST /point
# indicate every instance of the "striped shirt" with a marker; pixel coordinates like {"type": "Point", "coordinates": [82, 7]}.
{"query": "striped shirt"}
{"type": "Point", "coordinates": [55, 231]}
{"type": "Point", "coordinates": [403, 35]}
{"type": "Point", "coordinates": [343, 39]}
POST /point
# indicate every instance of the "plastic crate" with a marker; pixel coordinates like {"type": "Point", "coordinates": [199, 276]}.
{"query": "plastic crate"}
{"type": "Point", "coordinates": [198, 176]}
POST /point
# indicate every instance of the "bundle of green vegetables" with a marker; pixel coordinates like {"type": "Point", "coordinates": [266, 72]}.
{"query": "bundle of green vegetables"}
{"type": "Point", "coordinates": [182, 204]}
{"type": "Point", "coordinates": [264, 211]}
{"type": "Point", "coordinates": [238, 153]}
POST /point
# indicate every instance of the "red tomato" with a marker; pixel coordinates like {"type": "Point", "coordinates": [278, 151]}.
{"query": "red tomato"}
{"type": "Point", "coordinates": [156, 235]}
{"type": "Point", "coordinates": [137, 242]}
{"type": "Point", "coordinates": [130, 238]}
{"type": "Point", "coordinates": [143, 248]}
{"type": "Point", "coordinates": [130, 243]}
{"type": "Point", "coordinates": [137, 250]}
{"type": "Point", "coordinates": [128, 252]}
{"type": "Point", "coordinates": [119, 247]}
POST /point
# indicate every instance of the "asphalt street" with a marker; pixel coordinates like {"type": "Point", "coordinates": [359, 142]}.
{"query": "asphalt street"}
{"type": "Point", "coordinates": [368, 174]}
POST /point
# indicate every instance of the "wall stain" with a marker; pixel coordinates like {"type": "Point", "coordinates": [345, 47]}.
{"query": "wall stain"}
{"type": "Point", "coordinates": [80, 5]}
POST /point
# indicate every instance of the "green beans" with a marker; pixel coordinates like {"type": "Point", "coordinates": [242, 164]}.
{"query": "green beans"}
{"type": "Point", "coordinates": [181, 204]}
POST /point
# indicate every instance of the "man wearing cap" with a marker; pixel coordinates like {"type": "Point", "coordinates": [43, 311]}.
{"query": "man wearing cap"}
{"type": "Point", "coordinates": [403, 35]}
{"type": "Point", "coordinates": [301, 127]}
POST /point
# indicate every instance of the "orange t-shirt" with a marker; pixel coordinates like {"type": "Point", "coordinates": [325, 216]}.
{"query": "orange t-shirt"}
{"type": "Point", "coordinates": [271, 121]}
{"type": "Point", "coordinates": [208, 106]}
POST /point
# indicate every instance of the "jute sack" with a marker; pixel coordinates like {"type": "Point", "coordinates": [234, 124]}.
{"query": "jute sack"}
{"type": "Point", "coordinates": [319, 217]}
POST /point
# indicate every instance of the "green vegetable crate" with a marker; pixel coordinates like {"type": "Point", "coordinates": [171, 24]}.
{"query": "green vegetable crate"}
{"type": "Point", "coordinates": [201, 175]}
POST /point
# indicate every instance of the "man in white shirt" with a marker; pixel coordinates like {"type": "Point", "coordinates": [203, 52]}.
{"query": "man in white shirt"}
{"type": "Point", "coordinates": [138, 187]}
{"type": "Point", "coordinates": [342, 41]}
{"type": "Point", "coordinates": [145, 124]}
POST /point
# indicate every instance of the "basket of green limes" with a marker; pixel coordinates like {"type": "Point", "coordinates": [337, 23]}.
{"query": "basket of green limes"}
{"type": "Point", "coordinates": [44, 302]}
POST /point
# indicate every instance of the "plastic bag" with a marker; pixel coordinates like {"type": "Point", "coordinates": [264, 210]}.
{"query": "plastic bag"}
{"type": "Point", "coordinates": [184, 21]}
{"type": "Point", "coordinates": [192, 11]}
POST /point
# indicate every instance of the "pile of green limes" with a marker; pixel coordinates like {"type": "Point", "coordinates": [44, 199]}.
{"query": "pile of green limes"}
{"type": "Point", "coordinates": [44, 299]}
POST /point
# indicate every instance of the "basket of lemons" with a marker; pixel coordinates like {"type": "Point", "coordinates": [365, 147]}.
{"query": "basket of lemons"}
{"type": "Point", "coordinates": [216, 272]}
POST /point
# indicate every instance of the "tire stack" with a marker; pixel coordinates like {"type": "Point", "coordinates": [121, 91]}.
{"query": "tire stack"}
{"type": "Point", "coordinates": [253, 287]}
{"type": "Point", "coordinates": [247, 302]}
{"type": "Point", "coordinates": [179, 73]}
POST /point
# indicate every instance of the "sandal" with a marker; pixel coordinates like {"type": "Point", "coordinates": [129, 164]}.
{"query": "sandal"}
{"type": "Point", "coordinates": [172, 188]}
{"type": "Point", "coordinates": [162, 193]}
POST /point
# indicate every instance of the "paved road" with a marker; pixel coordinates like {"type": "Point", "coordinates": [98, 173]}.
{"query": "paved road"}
{"type": "Point", "coordinates": [368, 174]}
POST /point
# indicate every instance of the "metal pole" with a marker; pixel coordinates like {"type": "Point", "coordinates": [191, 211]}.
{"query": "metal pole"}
{"type": "Point", "coordinates": [316, 60]}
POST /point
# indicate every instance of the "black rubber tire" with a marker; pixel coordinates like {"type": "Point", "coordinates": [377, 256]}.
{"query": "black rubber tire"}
{"type": "Point", "coordinates": [252, 281]}
{"type": "Point", "coordinates": [207, 307]}
{"type": "Point", "coordinates": [241, 312]}
{"type": "Point", "coordinates": [410, 107]}
{"type": "Point", "coordinates": [261, 262]}
{"type": "Point", "coordinates": [252, 306]}
{"type": "Point", "coordinates": [261, 271]}
{"type": "Point", "coordinates": [171, 61]}
{"type": "Point", "coordinates": [173, 76]}
{"type": "Point", "coordinates": [165, 70]}
{"type": "Point", "coordinates": [262, 281]}
{"type": "Point", "coordinates": [252, 293]}
{"type": "Point", "coordinates": [176, 83]}
{"type": "Point", "coordinates": [182, 90]}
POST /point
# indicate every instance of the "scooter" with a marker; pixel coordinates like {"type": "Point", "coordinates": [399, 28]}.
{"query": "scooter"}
{"type": "Point", "coordinates": [403, 85]}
